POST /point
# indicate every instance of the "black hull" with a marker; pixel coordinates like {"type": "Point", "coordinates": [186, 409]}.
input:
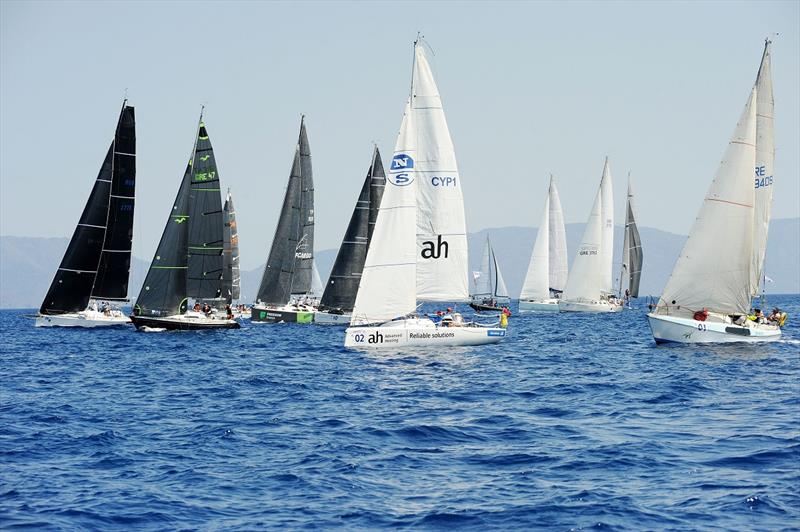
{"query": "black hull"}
{"type": "Point", "coordinates": [174, 325]}
{"type": "Point", "coordinates": [485, 308]}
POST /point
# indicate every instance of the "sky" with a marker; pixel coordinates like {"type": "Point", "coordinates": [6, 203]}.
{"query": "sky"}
{"type": "Point", "coordinates": [528, 88]}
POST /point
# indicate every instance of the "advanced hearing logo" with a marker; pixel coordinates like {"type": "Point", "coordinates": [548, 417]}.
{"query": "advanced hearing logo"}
{"type": "Point", "coordinates": [399, 170]}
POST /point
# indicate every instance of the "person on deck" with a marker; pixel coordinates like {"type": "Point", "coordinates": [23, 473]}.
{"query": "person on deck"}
{"type": "Point", "coordinates": [196, 307]}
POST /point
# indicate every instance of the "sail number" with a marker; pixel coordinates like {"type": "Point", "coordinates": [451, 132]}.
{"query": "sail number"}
{"type": "Point", "coordinates": [762, 180]}
{"type": "Point", "coordinates": [701, 327]}
{"type": "Point", "coordinates": [358, 338]}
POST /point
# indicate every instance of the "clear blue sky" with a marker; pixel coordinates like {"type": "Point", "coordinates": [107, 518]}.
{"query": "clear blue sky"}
{"type": "Point", "coordinates": [528, 89]}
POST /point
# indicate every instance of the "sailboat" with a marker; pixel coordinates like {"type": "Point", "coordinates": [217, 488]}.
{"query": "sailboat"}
{"type": "Point", "coordinates": [339, 297]}
{"type": "Point", "coordinates": [96, 265]}
{"type": "Point", "coordinates": [708, 295]}
{"type": "Point", "coordinates": [419, 244]}
{"type": "Point", "coordinates": [231, 278]}
{"type": "Point", "coordinates": [589, 285]}
{"type": "Point", "coordinates": [284, 292]}
{"type": "Point", "coordinates": [490, 292]}
{"type": "Point", "coordinates": [632, 256]}
{"type": "Point", "coordinates": [189, 261]}
{"type": "Point", "coordinates": [547, 270]}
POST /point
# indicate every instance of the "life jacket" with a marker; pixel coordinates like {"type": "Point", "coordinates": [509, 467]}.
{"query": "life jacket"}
{"type": "Point", "coordinates": [701, 315]}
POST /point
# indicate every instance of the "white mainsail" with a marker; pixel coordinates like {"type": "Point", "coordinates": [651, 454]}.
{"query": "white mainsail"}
{"type": "Point", "coordinates": [558, 241]}
{"type": "Point", "coordinates": [765, 161]}
{"type": "Point", "coordinates": [388, 286]}
{"type": "Point", "coordinates": [607, 233]}
{"type": "Point", "coordinates": [536, 286]}
{"type": "Point", "coordinates": [429, 160]}
{"type": "Point", "coordinates": [713, 271]}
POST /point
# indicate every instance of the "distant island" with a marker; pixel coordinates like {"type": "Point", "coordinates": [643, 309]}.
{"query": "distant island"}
{"type": "Point", "coordinates": [27, 264]}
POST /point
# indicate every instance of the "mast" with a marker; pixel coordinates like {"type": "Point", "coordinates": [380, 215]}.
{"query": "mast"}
{"type": "Point", "coordinates": [97, 259]}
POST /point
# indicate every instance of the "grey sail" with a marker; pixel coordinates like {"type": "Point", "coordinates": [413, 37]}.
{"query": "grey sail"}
{"type": "Point", "coordinates": [632, 255]}
{"type": "Point", "coordinates": [289, 264]}
{"type": "Point", "coordinates": [342, 287]}
{"type": "Point", "coordinates": [97, 261]}
{"type": "Point", "coordinates": [230, 271]}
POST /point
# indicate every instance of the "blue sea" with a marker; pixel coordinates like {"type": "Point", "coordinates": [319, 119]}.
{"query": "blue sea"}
{"type": "Point", "coordinates": [574, 422]}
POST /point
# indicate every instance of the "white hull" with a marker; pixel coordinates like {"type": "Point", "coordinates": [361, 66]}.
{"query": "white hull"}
{"type": "Point", "coordinates": [326, 318]}
{"type": "Point", "coordinates": [588, 306]}
{"type": "Point", "coordinates": [87, 318]}
{"type": "Point", "coordinates": [689, 331]}
{"type": "Point", "coordinates": [543, 305]}
{"type": "Point", "coordinates": [420, 332]}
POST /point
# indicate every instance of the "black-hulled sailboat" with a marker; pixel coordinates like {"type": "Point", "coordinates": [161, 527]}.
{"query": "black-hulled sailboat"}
{"type": "Point", "coordinates": [284, 294]}
{"type": "Point", "coordinates": [188, 263]}
{"type": "Point", "coordinates": [93, 274]}
{"type": "Point", "coordinates": [339, 297]}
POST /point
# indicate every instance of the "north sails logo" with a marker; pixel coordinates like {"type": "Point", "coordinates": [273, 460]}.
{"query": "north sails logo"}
{"type": "Point", "coordinates": [399, 170]}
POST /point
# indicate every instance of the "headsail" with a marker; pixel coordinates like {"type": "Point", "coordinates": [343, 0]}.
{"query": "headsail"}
{"type": "Point", "coordinates": [340, 291]}
{"type": "Point", "coordinates": [231, 290]}
{"type": "Point", "coordinates": [428, 158]}
{"type": "Point", "coordinates": [537, 280]}
{"type": "Point", "coordinates": [712, 271]}
{"type": "Point", "coordinates": [97, 260]}
{"type": "Point", "coordinates": [765, 163]}
{"type": "Point", "coordinates": [388, 282]}
{"type": "Point", "coordinates": [289, 265]}
{"type": "Point", "coordinates": [632, 255]}
{"type": "Point", "coordinates": [164, 290]}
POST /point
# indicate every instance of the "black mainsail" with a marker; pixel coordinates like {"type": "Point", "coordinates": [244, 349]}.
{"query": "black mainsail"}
{"type": "Point", "coordinates": [230, 249]}
{"type": "Point", "coordinates": [188, 260]}
{"type": "Point", "coordinates": [98, 257]}
{"type": "Point", "coordinates": [289, 266]}
{"type": "Point", "coordinates": [340, 292]}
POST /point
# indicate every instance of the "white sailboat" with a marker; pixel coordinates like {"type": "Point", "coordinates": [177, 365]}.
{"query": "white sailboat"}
{"type": "Point", "coordinates": [419, 244]}
{"type": "Point", "coordinates": [707, 298]}
{"type": "Point", "coordinates": [547, 270]}
{"type": "Point", "coordinates": [490, 292]}
{"type": "Point", "coordinates": [589, 285]}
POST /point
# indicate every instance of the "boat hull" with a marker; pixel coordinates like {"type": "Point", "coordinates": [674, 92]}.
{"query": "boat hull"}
{"type": "Point", "coordinates": [672, 329]}
{"type": "Point", "coordinates": [588, 306]}
{"type": "Point", "coordinates": [86, 319]}
{"type": "Point", "coordinates": [485, 308]}
{"type": "Point", "coordinates": [327, 318]}
{"type": "Point", "coordinates": [544, 305]}
{"type": "Point", "coordinates": [286, 314]}
{"type": "Point", "coordinates": [420, 333]}
{"type": "Point", "coordinates": [182, 322]}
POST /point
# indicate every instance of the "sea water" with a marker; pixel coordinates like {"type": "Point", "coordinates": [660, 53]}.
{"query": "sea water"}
{"type": "Point", "coordinates": [575, 421]}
